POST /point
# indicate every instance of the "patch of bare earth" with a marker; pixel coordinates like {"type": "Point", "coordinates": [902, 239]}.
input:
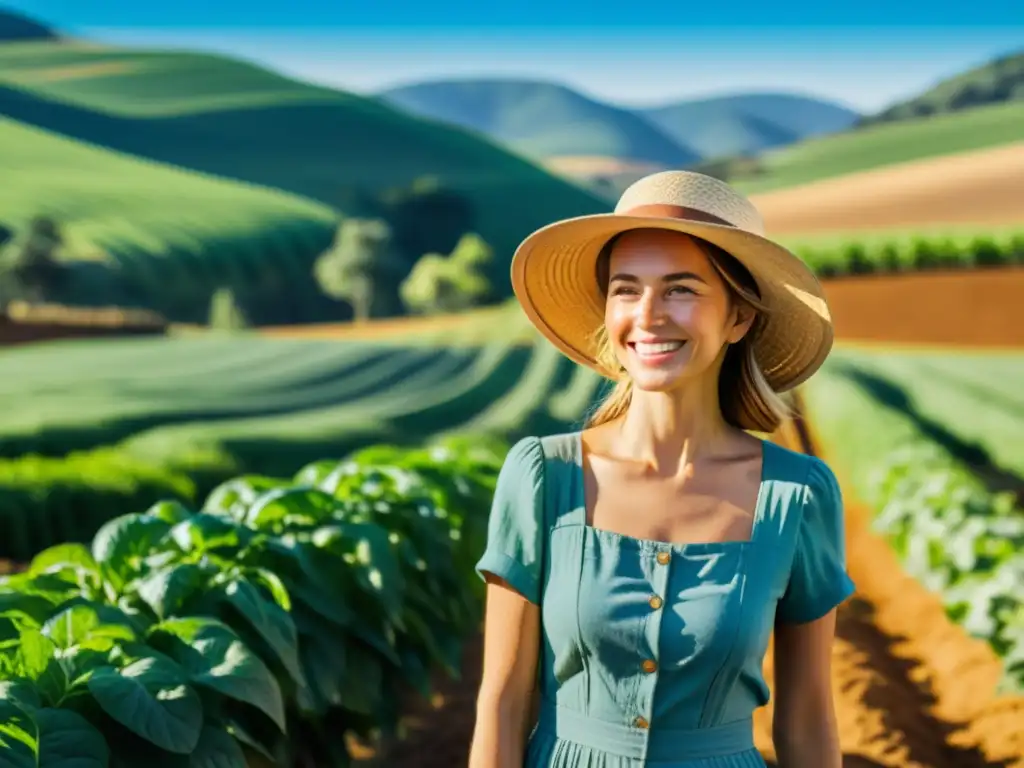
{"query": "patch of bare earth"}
{"type": "Point", "coordinates": [979, 187]}
{"type": "Point", "coordinates": [959, 307]}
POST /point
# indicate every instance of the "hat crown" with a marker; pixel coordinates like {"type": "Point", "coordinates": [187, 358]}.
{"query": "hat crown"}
{"type": "Point", "coordinates": [689, 189]}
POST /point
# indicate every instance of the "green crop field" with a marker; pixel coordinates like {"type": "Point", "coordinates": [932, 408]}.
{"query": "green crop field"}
{"type": "Point", "coordinates": [888, 143]}
{"type": "Point", "coordinates": [266, 400]}
{"type": "Point", "coordinates": [236, 121]}
{"type": "Point", "coordinates": [865, 403]}
{"type": "Point", "coordinates": [932, 441]}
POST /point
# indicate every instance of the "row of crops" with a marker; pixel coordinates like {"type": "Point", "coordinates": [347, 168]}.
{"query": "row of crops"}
{"type": "Point", "coordinates": [890, 252]}
{"type": "Point", "coordinates": [932, 442]}
{"type": "Point", "coordinates": [171, 418]}
{"type": "Point", "coordinates": [276, 617]}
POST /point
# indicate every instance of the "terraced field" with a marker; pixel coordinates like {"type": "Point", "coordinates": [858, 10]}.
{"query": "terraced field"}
{"type": "Point", "coordinates": [273, 402]}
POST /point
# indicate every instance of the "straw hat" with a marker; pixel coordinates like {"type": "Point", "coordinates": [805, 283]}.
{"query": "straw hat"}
{"type": "Point", "coordinates": [554, 273]}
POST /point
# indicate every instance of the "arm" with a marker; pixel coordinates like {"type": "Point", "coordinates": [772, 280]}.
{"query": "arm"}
{"type": "Point", "coordinates": [504, 707]}
{"type": "Point", "coordinates": [804, 727]}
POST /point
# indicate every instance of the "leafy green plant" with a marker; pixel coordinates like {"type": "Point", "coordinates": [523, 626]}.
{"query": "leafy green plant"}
{"type": "Point", "coordinates": [279, 616]}
{"type": "Point", "coordinates": [962, 541]}
{"type": "Point", "coordinates": [906, 252]}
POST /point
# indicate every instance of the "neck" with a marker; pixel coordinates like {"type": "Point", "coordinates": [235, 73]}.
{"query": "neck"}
{"type": "Point", "coordinates": [669, 430]}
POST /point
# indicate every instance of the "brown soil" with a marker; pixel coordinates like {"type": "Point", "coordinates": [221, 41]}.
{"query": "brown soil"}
{"type": "Point", "coordinates": [981, 187]}
{"type": "Point", "coordinates": [912, 690]}
{"type": "Point", "coordinates": [970, 307]}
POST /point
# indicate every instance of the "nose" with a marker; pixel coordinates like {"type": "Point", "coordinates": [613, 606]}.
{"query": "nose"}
{"type": "Point", "coordinates": [650, 312]}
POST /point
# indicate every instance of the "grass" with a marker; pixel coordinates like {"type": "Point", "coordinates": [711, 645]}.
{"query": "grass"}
{"type": "Point", "coordinates": [237, 121]}
{"type": "Point", "coordinates": [885, 144]}
{"type": "Point", "coordinates": [865, 404]}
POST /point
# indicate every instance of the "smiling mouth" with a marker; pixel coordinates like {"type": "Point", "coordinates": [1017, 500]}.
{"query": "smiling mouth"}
{"type": "Point", "coordinates": [656, 350]}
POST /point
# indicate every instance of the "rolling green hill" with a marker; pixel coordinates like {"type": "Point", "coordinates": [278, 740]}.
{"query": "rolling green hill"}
{"type": "Point", "coordinates": [995, 82]}
{"type": "Point", "coordinates": [542, 120]}
{"type": "Point", "coordinates": [746, 124]}
{"type": "Point", "coordinates": [884, 144]}
{"type": "Point", "coordinates": [167, 234]}
{"type": "Point", "coordinates": [14, 26]}
{"type": "Point", "coordinates": [237, 121]}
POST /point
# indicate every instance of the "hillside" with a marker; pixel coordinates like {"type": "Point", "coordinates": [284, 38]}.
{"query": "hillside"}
{"type": "Point", "coordinates": [542, 120]}
{"type": "Point", "coordinates": [746, 124]}
{"type": "Point", "coordinates": [14, 26]}
{"type": "Point", "coordinates": [146, 233]}
{"type": "Point", "coordinates": [234, 120]}
{"type": "Point", "coordinates": [995, 82]}
{"type": "Point", "coordinates": [885, 144]}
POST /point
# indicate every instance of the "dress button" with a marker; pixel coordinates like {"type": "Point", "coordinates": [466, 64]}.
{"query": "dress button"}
{"type": "Point", "coordinates": [650, 666]}
{"type": "Point", "coordinates": [664, 557]}
{"type": "Point", "coordinates": [640, 722]}
{"type": "Point", "coordinates": [655, 602]}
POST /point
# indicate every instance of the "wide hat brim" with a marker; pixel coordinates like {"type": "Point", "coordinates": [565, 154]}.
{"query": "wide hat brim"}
{"type": "Point", "coordinates": [554, 277]}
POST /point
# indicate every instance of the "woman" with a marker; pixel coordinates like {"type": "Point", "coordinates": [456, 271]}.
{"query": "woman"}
{"type": "Point", "coordinates": [636, 569]}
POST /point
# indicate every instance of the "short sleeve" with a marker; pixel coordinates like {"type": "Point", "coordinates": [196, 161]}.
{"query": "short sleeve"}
{"type": "Point", "coordinates": [515, 537]}
{"type": "Point", "coordinates": [818, 581]}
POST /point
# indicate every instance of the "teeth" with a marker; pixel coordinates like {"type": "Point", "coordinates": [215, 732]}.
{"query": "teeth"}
{"type": "Point", "coordinates": [659, 348]}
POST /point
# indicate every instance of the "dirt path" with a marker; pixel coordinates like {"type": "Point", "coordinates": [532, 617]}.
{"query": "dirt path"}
{"type": "Point", "coordinates": [912, 690]}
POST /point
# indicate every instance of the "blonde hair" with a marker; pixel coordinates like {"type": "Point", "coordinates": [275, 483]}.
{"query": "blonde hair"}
{"type": "Point", "coordinates": [746, 398]}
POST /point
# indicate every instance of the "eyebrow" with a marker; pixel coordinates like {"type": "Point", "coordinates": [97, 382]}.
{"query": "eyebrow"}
{"type": "Point", "coordinates": [670, 278]}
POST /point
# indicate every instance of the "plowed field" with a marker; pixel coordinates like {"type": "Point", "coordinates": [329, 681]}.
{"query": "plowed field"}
{"type": "Point", "coordinates": [912, 690]}
{"type": "Point", "coordinates": [980, 187]}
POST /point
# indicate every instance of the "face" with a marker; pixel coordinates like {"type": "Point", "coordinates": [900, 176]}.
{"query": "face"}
{"type": "Point", "coordinates": [668, 313]}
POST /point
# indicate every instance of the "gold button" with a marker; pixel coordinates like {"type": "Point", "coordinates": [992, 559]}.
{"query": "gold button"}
{"type": "Point", "coordinates": [655, 602]}
{"type": "Point", "coordinates": [650, 666]}
{"type": "Point", "coordinates": [640, 722]}
{"type": "Point", "coordinates": [664, 557]}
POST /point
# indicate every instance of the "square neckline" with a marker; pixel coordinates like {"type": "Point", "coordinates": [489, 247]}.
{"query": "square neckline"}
{"type": "Point", "coordinates": [657, 544]}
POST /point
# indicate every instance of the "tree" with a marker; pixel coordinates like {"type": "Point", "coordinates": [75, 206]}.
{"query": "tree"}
{"type": "Point", "coordinates": [427, 216]}
{"type": "Point", "coordinates": [29, 266]}
{"type": "Point", "coordinates": [225, 314]}
{"type": "Point", "coordinates": [358, 266]}
{"type": "Point", "coordinates": [449, 284]}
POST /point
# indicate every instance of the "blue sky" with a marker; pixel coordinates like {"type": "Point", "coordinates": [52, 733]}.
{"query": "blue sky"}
{"type": "Point", "coordinates": [866, 54]}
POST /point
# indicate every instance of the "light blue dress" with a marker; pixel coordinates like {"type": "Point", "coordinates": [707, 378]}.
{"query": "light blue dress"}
{"type": "Point", "coordinates": [651, 652]}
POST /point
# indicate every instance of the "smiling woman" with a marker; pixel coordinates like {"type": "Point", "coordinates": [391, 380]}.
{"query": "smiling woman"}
{"type": "Point", "coordinates": [709, 285]}
{"type": "Point", "coordinates": [637, 568]}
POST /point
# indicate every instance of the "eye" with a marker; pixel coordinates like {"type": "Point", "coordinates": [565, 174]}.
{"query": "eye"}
{"type": "Point", "coordinates": [681, 289]}
{"type": "Point", "coordinates": [622, 290]}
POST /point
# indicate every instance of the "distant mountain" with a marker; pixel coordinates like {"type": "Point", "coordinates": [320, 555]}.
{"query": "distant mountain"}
{"type": "Point", "coordinates": [745, 124]}
{"type": "Point", "coordinates": [543, 120]}
{"type": "Point", "coordinates": [15, 27]}
{"type": "Point", "coordinates": [1000, 80]}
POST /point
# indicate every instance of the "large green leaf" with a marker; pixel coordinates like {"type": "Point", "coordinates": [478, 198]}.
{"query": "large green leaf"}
{"type": "Point", "coordinates": [217, 749]}
{"type": "Point", "coordinates": [72, 556]}
{"type": "Point", "coordinates": [204, 531]}
{"type": "Point", "coordinates": [82, 622]}
{"type": "Point", "coordinates": [366, 548]}
{"type": "Point", "coordinates": [49, 738]}
{"type": "Point", "coordinates": [271, 621]}
{"type": "Point", "coordinates": [167, 589]}
{"type": "Point", "coordinates": [151, 698]}
{"type": "Point", "coordinates": [213, 655]}
{"type": "Point", "coordinates": [123, 540]}
{"type": "Point", "coordinates": [291, 506]}
{"type": "Point", "coordinates": [38, 663]}
{"type": "Point", "coordinates": [68, 740]}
